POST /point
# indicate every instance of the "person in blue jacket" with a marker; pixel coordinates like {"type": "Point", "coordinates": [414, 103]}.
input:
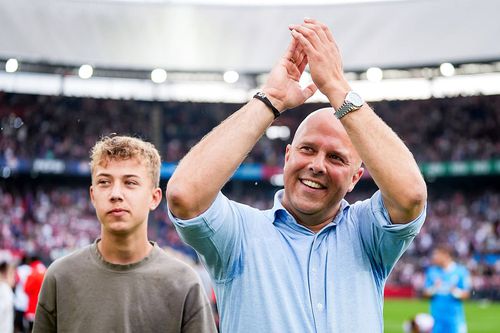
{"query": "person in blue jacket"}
{"type": "Point", "coordinates": [447, 284]}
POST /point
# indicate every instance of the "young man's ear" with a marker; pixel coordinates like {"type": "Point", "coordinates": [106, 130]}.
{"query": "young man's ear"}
{"type": "Point", "coordinates": [156, 199]}
{"type": "Point", "coordinates": [91, 192]}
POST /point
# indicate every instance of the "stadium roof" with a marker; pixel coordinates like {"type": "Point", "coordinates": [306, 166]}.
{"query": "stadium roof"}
{"type": "Point", "coordinates": [187, 35]}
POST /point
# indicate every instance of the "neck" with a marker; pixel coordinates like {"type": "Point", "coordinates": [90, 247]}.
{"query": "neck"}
{"type": "Point", "coordinates": [317, 227]}
{"type": "Point", "coordinates": [313, 222]}
{"type": "Point", "coordinates": [123, 250]}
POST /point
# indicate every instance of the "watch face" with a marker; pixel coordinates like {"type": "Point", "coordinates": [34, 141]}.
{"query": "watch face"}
{"type": "Point", "coordinates": [354, 98]}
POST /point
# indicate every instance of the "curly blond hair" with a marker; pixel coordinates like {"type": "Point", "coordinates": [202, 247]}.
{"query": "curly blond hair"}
{"type": "Point", "coordinates": [123, 148]}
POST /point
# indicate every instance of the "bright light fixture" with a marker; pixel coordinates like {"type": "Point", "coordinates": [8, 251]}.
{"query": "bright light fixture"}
{"type": "Point", "coordinates": [277, 180]}
{"type": "Point", "coordinates": [158, 75]}
{"type": "Point", "coordinates": [231, 76]}
{"type": "Point", "coordinates": [278, 132]}
{"type": "Point", "coordinates": [447, 69]}
{"type": "Point", "coordinates": [85, 72]}
{"type": "Point", "coordinates": [374, 74]}
{"type": "Point", "coordinates": [11, 65]}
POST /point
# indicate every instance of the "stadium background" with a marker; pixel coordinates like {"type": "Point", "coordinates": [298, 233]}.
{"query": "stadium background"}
{"type": "Point", "coordinates": [430, 69]}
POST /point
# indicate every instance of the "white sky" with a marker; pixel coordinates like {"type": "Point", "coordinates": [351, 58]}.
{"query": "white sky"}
{"type": "Point", "coordinates": [253, 2]}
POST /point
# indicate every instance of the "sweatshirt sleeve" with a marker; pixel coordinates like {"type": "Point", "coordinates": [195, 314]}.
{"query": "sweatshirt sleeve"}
{"type": "Point", "coordinates": [198, 316]}
{"type": "Point", "coordinates": [45, 315]}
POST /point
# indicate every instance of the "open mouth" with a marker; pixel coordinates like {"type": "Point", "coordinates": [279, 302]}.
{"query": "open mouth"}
{"type": "Point", "coordinates": [312, 184]}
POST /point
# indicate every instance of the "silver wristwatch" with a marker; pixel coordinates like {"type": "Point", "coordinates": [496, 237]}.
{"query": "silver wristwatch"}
{"type": "Point", "coordinates": [352, 102]}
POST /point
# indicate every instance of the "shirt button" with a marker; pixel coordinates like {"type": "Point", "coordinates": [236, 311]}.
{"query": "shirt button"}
{"type": "Point", "coordinates": [320, 307]}
{"type": "Point", "coordinates": [314, 270]}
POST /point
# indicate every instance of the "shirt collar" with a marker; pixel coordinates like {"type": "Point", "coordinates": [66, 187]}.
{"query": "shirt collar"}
{"type": "Point", "coordinates": [451, 266]}
{"type": "Point", "coordinates": [279, 213]}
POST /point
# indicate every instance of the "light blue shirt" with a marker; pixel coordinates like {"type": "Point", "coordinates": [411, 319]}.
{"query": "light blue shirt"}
{"type": "Point", "coordinates": [446, 309]}
{"type": "Point", "coordinates": [271, 274]}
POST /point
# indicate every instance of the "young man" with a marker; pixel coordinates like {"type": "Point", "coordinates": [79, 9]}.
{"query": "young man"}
{"type": "Point", "coordinates": [123, 282]}
{"type": "Point", "coordinates": [313, 263]}
{"type": "Point", "coordinates": [447, 284]}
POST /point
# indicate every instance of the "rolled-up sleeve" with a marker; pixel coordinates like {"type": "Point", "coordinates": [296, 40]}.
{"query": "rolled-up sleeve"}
{"type": "Point", "coordinates": [216, 235]}
{"type": "Point", "coordinates": [384, 241]}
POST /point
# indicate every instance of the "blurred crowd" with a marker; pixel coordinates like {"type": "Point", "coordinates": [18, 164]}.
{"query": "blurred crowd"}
{"type": "Point", "coordinates": [457, 129]}
{"type": "Point", "coordinates": [53, 220]}
{"type": "Point", "coordinates": [470, 224]}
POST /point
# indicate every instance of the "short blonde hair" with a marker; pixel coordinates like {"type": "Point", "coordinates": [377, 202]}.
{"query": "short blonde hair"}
{"type": "Point", "coordinates": [123, 148]}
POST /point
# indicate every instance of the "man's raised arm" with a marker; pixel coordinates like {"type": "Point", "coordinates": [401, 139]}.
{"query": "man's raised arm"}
{"type": "Point", "coordinates": [202, 173]}
{"type": "Point", "coordinates": [388, 160]}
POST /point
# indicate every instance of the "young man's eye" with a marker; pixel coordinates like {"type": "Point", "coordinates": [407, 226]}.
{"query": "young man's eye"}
{"type": "Point", "coordinates": [102, 182]}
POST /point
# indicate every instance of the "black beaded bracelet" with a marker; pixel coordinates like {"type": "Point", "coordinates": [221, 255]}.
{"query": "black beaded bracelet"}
{"type": "Point", "coordinates": [262, 97]}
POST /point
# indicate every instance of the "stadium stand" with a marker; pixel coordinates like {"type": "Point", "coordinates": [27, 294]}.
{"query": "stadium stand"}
{"type": "Point", "coordinates": [448, 129]}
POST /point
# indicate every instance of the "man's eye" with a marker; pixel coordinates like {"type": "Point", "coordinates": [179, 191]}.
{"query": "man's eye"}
{"type": "Point", "coordinates": [336, 157]}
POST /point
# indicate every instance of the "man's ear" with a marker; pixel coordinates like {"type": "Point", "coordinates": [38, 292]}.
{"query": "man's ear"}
{"type": "Point", "coordinates": [287, 152]}
{"type": "Point", "coordinates": [355, 178]}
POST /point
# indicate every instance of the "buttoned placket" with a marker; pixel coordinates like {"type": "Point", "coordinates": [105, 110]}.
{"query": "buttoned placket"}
{"type": "Point", "coordinates": [316, 269]}
{"type": "Point", "coordinates": [317, 276]}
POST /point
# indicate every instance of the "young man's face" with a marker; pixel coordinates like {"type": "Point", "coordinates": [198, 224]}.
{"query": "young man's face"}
{"type": "Point", "coordinates": [321, 166]}
{"type": "Point", "coordinates": [122, 193]}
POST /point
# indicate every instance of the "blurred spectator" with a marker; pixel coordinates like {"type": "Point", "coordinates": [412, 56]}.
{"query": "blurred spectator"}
{"type": "Point", "coordinates": [32, 288]}
{"type": "Point", "coordinates": [447, 284]}
{"type": "Point", "coordinates": [6, 298]}
{"type": "Point", "coordinates": [23, 270]}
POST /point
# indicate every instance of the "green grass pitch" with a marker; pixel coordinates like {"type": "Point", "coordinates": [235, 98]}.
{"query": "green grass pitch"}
{"type": "Point", "coordinates": [482, 317]}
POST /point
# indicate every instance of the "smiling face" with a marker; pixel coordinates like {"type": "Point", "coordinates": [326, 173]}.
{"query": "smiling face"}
{"type": "Point", "coordinates": [122, 193]}
{"type": "Point", "coordinates": [321, 166]}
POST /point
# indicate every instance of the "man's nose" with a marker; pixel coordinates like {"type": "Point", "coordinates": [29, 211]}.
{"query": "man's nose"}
{"type": "Point", "coordinates": [317, 164]}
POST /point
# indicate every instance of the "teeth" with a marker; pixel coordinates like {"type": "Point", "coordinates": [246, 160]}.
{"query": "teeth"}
{"type": "Point", "coordinates": [312, 184]}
